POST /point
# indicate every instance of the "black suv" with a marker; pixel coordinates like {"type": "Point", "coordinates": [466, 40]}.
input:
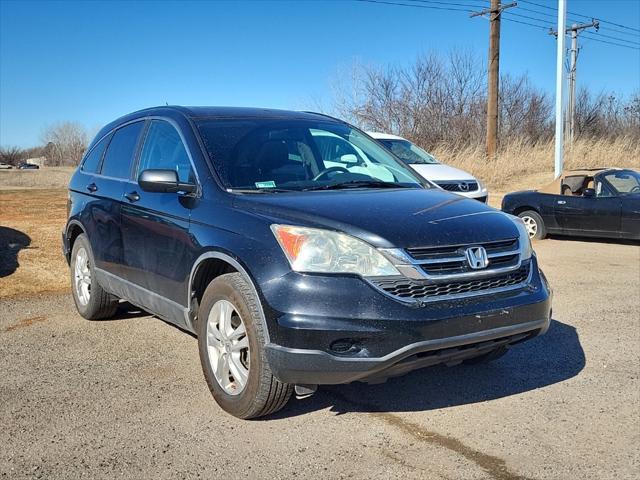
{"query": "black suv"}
{"type": "Point", "coordinates": [299, 250]}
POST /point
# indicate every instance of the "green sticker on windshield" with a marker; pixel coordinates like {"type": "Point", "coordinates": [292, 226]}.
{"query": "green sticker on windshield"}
{"type": "Point", "coordinates": [269, 184]}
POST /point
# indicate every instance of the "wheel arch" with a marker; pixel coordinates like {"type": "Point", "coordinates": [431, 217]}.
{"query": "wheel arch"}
{"type": "Point", "coordinates": [206, 268]}
{"type": "Point", "coordinates": [517, 211]}
{"type": "Point", "coordinates": [73, 230]}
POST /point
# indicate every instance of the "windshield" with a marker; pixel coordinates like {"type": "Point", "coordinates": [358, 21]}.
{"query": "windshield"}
{"type": "Point", "coordinates": [408, 152]}
{"type": "Point", "coordinates": [272, 155]}
{"type": "Point", "coordinates": [624, 181]}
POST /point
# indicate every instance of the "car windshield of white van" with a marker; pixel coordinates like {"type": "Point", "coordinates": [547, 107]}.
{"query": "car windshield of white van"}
{"type": "Point", "coordinates": [275, 155]}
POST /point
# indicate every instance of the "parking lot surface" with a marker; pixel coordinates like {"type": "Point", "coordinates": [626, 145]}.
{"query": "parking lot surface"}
{"type": "Point", "coordinates": [126, 398]}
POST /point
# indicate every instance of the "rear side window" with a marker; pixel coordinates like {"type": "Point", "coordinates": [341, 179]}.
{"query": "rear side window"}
{"type": "Point", "coordinates": [92, 160]}
{"type": "Point", "coordinates": [117, 160]}
{"type": "Point", "coordinates": [163, 149]}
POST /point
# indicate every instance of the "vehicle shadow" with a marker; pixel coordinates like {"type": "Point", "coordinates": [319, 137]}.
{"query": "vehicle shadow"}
{"type": "Point", "coordinates": [11, 242]}
{"type": "Point", "coordinates": [542, 361]}
{"type": "Point", "coordinates": [126, 311]}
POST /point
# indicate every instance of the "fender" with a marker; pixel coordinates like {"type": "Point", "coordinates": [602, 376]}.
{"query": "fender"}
{"type": "Point", "coordinates": [240, 268]}
{"type": "Point", "coordinates": [65, 236]}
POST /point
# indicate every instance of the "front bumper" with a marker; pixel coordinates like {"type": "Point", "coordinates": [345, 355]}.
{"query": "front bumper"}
{"type": "Point", "coordinates": [340, 333]}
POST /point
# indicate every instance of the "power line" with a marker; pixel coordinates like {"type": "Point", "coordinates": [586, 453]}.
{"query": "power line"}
{"type": "Point", "coordinates": [446, 3]}
{"type": "Point", "coordinates": [548, 25]}
{"type": "Point", "coordinates": [545, 25]}
{"type": "Point", "coordinates": [526, 23]}
{"type": "Point", "coordinates": [596, 39]}
{"type": "Point", "coordinates": [553, 16]}
{"type": "Point", "coordinates": [383, 2]}
{"type": "Point", "coordinates": [581, 15]}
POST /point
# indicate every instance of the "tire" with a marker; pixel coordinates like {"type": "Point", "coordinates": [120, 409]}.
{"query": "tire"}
{"type": "Point", "coordinates": [534, 223]}
{"type": "Point", "coordinates": [487, 357]}
{"type": "Point", "coordinates": [239, 343]}
{"type": "Point", "coordinates": [92, 302]}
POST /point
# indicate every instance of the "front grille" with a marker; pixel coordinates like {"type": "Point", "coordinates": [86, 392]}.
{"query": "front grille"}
{"type": "Point", "coordinates": [450, 259]}
{"type": "Point", "coordinates": [406, 288]}
{"type": "Point", "coordinates": [460, 186]}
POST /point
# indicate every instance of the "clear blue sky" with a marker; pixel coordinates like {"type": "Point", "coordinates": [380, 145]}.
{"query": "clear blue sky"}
{"type": "Point", "coordinates": [91, 62]}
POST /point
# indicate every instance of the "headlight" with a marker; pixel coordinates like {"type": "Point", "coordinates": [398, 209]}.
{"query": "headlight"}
{"type": "Point", "coordinates": [481, 185]}
{"type": "Point", "coordinates": [323, 251]}
{"type": "Point", "coordinates": [525, 242]}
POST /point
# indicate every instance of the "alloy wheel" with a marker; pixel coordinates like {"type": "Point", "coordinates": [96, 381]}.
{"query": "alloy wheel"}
{"type": "Point", "coordinates": [531, 224]}
{"type": "Point", "coordinates": [228, 347]}
{"type": "Point", "coordinates": [82, 276]}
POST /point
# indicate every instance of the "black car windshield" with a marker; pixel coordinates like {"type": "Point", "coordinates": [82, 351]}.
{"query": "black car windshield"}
{"type": "Point", "coordinates": [276, 155]}
{"type": "Point", "coordinates": [624, 181]}
{"type": "Point", "coordinates": [408, 152]}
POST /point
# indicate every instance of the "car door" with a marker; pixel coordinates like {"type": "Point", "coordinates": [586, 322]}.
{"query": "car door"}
{"type": "Point", "coordinates": [104, 188]}
{"type": "Point", "coordinates": [158, 249]}
{"type": "Point", "coordinates": [594, 215]}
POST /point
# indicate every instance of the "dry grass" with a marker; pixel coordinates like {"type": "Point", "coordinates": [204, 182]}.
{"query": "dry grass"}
{"type": "Point", "coordinates": [31, 259]}
{"type": "Point", "coordinates": [39, 212]}
{"type": "Point", "coordinates": [45, 177]}
{"type": "Point", "coordinates": [519, 165]}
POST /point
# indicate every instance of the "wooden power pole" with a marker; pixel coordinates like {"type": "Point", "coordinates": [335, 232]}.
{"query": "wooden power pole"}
{"type": "Point", "coordinates": [571, 111]}
{"type": "Point", "coordinates": [493, 79]}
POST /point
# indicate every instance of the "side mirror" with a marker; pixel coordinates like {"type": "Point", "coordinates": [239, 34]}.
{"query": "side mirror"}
{"type": "Point", "coordinates": [349, 158]}
{"type": "Point", "coordinates": [163, 181]}
{"type": "Point", "coordinates": [588, 192]}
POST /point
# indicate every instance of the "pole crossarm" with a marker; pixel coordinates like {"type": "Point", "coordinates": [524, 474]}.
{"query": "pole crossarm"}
{"type": "Point", "coordinates": [493, 10]}
{"type": "Point", "coordinates": [577, 27]}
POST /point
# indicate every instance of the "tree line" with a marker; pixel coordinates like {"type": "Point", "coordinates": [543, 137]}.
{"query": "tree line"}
{"type": "Point", "coordinates": [441, 99]}
{"type": "Point", "coordinates": [62, 144]}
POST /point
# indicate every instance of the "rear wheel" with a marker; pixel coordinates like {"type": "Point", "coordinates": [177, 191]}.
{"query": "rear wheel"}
{"type": "Point", "coordinates": [534, 223]}
{"type": "Point", "coordinates": [91, 300]}
{"type": "Point", "coordinates": [231, 342]}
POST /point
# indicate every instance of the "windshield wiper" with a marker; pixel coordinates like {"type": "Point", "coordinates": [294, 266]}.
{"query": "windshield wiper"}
{"type": "Point", "coordinates": [358, 184]}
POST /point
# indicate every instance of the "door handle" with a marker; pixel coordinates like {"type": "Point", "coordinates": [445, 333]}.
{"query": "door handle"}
{"type": "Point", "coordinates": [132, 196]}
{"type": "Point", "coordinates": [561, 202]}
{"type": "Point", "coordinates": [92, 187]}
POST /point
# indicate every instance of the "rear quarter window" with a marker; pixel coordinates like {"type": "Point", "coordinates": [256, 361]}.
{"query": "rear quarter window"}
{"type": "Point", "coordinates": [120, 152]}
{"type": "Point", "coordinates": [91, 162]}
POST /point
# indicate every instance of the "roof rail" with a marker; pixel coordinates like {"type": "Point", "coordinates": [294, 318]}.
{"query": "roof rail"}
{"type": "Point", "coordinates": [324, 115]}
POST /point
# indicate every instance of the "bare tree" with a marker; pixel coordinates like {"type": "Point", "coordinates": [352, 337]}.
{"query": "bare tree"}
{"type": "Point", "coordinates": [441, 99]}
{"type": "Point", "coordinates": [64, 143]}
{"type": "Point", "coordinates": [11, 155]}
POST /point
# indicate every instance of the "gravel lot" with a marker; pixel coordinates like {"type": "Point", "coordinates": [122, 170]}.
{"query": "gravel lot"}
{"type": "Point", "coordinates": [127, 398]}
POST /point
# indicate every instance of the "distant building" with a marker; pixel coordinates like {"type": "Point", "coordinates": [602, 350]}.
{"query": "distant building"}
{"type": "Point", "coordinates": [40, 161]}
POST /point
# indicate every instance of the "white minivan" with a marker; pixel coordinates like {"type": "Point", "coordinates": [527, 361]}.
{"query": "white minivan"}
{"type": "Point", "coordinates": [448, 178]}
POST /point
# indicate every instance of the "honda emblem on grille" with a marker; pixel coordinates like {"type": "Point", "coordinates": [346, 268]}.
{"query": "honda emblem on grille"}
{"type": "Point", "coordinates": [477, 257]}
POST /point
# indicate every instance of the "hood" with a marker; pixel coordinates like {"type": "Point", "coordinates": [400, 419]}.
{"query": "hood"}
{"type": "Point", "coordinates": [386, 218]}
{"type": "Point", "coordinates": [438, 172]}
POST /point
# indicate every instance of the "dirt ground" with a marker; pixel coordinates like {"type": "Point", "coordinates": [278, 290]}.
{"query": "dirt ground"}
{"type": "Point", "coordinates": [127, 398]}
{"type": "Point", "coordinates": [31, 261]}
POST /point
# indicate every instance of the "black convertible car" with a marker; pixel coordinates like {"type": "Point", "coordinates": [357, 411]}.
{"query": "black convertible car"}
{"type": "Point", "coordinates": [590, 203]}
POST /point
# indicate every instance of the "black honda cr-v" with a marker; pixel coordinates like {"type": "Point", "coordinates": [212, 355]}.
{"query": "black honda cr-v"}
{"type": "Point", "coordinates": [298, 250]}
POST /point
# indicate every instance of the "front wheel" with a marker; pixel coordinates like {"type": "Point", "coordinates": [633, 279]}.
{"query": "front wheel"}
{"type": "Point", "coordinates": [231, 342]}
{"type": "Point", "coordinates": [534, 224]}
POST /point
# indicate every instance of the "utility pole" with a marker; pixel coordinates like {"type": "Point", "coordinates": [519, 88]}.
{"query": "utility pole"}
{"type": "Point", "coordinates": [562, 18]}
{"type": "Point", "coordinates": [493, 79]}
{"type": "Point", "coordinates": [574, 30]}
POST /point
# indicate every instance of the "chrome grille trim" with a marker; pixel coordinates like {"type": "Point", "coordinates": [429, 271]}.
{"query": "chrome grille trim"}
{"type": "Point", "coordinates": [464, 186]}
{"type": "Point", "coordinates": [414, 263]}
